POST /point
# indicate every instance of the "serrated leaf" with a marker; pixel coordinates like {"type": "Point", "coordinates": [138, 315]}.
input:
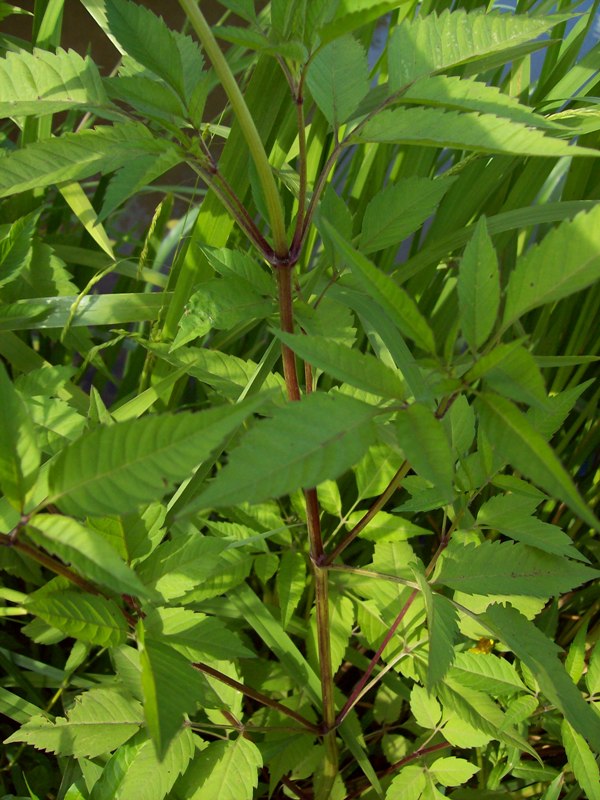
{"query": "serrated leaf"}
{"type": "Point", "coordinates": [74, 156]}
{"type": "Point", "coordinates": [87, 551]}
{"type": "Point", "coordinates": [195, 635]}
{"type": "Point", "coordinates": [510, 568]}
{"type": "Point", "coordinates": [555, 268]}
{"type": "Point", "coordinates": [362, 370]}
{"type": "Point", "coordinates": [87, 617]}
{"type": "Point", "coordinates": [15, 247]}
{"type": "Point", "coordinates": [399, 210]}
{"type": "Point", "coordinates": [469, 95]}
{"type": "Point", "coordinates": [486, 673]}
{"type": "Point", "coordinates": [171, 688]}
{"type": "Point", "coordinates": [425, 709]}
{"type": "Point", "coordinates": [99, 722]}
{"type": "Point", "coordinates": [442, 623]}
{"type": "Point", "coordinates": [147, 38]}
{"type": "Point", "coordinates": [511, 371]}
{"type": "Point", "coordinates": [221, 303]}
{"type": "Point", "coordinates": [135, 772]}
{"type": "Point", "coordinates": [582, 761]}
{"type": "Point", "coordinates": [427, 44]}
{"type": "Point", "coordinates": [423, 439]}
{"type": "Point", "coordinates": [510, 516]}
{"type": "Point", "coordinates": [291, 582]}
{"type": "Point", "coordinates": [302, 445]}
{"type": "Point", "coordinates": [484, 133]}
{"type": "Point", "coordinates": [515, 440]}
{"type": "Point", "coordinates": [407, 785]}
{"type": "Point", "coordinates": [338, 78]}
{"type": "Point", "coordinates": [113, 470]}
{"type": "Point", "coordinates": [341, 622]}
{"type": "Point", "coordinates": [224, 771]}
{"type": "Point", "coordinates": [478, 287]}
{"type": "Point", "coordinates": [44, 83]}
{"type": "Point", "coordinates": [540, 654]}
{"type": "Point", "coordinates": [19, 454]}
{"type": "Point", "coordinates": [452, 771]}
{"type": "Point", "coordinates": [480, 712]}
{"type": "Point", "coordinates": [350, 15]}
{"type": "Point", "coordinates": [397, 303]}
{"type": "Point", "coordinates": [592, 676]}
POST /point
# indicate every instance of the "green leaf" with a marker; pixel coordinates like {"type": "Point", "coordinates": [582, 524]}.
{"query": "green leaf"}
{"type": "Point", "coordinates": [407, 785]}
{"type": "Point", "coordinates": [506, 514]}
{"type": "Point", "coordinates": [480, 712]}
{"type": "Point", "coordinates": [19, 454]}
{"type": "Point", "coordinates": [423, 439]}
{"type": "Point", "coordinates": [87, 617]}
{"type": "Point", "coordinates": [195, 635]}
{"type": "Point", "coordinates": [44, 83]}
{"type": "Point", "coordinates": [515, 440]}
{"type": "Point", "coordinates": [566, 261]}
{"type": "Point", "coordinates": [99, 721]}
{"type": "Point", "coordinates": [425, 708]}
{"type": "Point", "coordinates": [451, 771]}
{"type": "Point", "coordinates": [224, 771]}
{"type": "Point", "coordinates": [592, 676]}
{"type": "Point", "coordinates": [394, 300]}
{"type": "Point", "coordinates": [582, 761]}
{"type": "Point", "coordinates": [221, 303]}
{"type": "Point", "coordinates": [113, 470]}
{"type": "Point", "coordinates": [179, 565]}
{"type": "Point", "coordinates": [358, 369]}
{"type": "Point", "coordinates": [340, 624]}
{"type": "Point", "coordinates": [510, 568]}
{"type": "Point", "coordinates": [399, 210]}
{"type": "Point", "coordinates": [171, 688]}
{"type": "Point", "coordinates": [350, 15]}
{"type": "Point", "coordinates": [75, 156]}
{"type": "Point", "coordinates": [427, 44]}
{"type": "Point", "coordinates": [87, 551]}
{"type": "Point", "coordinates": [135, 772]}
{"type": "Point", "coordinates": [478, 287]}
{"type": "Point", "coordinates": [15, 247]}
{"type": "Point", "coordinates": [463, 94]}
{"type": "Point", "coordinates": [442, 622]}
{"type": "Point", "coordinates": [540, 654]}
{"type": "Point", "coordinates": [486, 673]}
{"type": "Point", "coordinates": [302, 445]}
{"type": "Point", "coordinates": [511, 370]}
{"type": "Point", "coordinates": [575, 660]}
{"type": "Point", "coordinates": [484, 133]}
{"type": "Point", "coordinates": [291, 582]}
{"type": "Point", "coordinates": [338, 78]}
{"type": "Point", "coordinates": [147, 38]}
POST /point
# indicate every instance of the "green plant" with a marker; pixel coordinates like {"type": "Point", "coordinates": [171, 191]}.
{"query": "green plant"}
{"type": "Point", "coordinates": [292, 520]}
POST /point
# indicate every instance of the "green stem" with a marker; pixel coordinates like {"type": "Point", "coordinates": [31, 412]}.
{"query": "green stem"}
{"type": "Point", "coordinates": [242, 113]}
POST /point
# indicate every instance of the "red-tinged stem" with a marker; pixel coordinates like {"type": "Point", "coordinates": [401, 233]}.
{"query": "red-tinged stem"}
{"type": "Point", "coordinates": [255, 695]}
{"type": "Point", "coordinates": [350, 702]}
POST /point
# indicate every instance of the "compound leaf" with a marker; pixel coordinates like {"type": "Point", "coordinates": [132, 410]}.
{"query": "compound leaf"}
{"type": "Point", "coordinates": [224, 771]}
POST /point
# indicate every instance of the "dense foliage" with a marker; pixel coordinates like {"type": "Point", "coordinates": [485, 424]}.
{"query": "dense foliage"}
{"type": "Point", "coordinates": [299, 478]}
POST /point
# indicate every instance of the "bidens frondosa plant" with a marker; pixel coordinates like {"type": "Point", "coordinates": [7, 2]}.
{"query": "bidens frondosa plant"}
{"type": "Point", "coordinates": [298, 483]}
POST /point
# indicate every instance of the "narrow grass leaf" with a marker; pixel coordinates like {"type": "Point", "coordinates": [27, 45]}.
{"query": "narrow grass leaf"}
{"type": "Point", "coordinates": [302, 445]}
{"type": "Point", "coordinates": [540, 654]}
{"type": "Point", "coordinates": [515, 440]}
